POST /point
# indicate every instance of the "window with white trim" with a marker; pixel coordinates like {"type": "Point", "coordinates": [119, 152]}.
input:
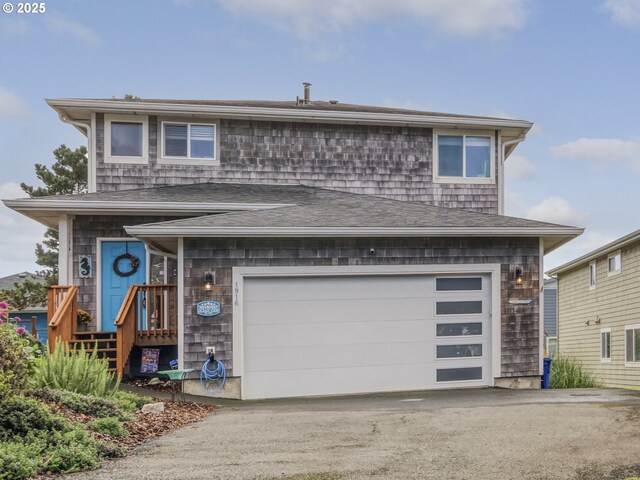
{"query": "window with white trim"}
{"type": "Point", "coordinates": [605, 345]}
{"type": "Point", "coordinates": [632, 344]}
{"type": "Point", "coordinates": [592, 275]}
{"type": "Point", "coordinates": [614, 263]}
{"type": "Point", "coordinates": [463, 158]}
{"type": "Point", "coordinates": [189, 141]}
{"type": "Point", "coordinates": [125, 138]}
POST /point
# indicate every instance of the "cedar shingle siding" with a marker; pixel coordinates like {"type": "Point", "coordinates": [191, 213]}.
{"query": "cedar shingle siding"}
{"type": "Point", "coordinates": [520, 324]}
{"type": "Point", "coordinates": [394, 162]}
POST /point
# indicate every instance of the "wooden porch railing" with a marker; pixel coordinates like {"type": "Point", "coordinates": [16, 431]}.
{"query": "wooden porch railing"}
{"type": "Point", "coordinates": [149, 314]}
{"type": "Point", "coordinates": [62, 307]}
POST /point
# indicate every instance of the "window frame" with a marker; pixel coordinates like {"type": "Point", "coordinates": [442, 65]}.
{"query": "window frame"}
{"type": "Point", "coordinates": [633, 363]}
{"type": "Point", "coordinates": [611, 273]}
{"type": "Point", "coordinates": [113, 118]}
{"type": "Point", "coordinates": [605, 331]}
{"type": "Point", "coordinates": [171, 160]}
{"type": "Point", "coordinates": [593, 280]}
{"type": "Point", "coordinates": [490, 180]}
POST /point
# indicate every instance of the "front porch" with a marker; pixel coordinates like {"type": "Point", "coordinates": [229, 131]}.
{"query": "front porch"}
{"type": "Point", "coordinates": [148, 317]}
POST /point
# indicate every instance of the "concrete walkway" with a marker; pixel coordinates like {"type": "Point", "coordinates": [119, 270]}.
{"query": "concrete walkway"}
{"type": "Point", "coordinates": [462, 434]}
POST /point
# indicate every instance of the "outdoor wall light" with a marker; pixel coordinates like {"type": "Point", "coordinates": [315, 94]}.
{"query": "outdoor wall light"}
{"type": "Point", "coordinates": [209, 280]}
{"type": "Point", "coordinates": [518, 276]}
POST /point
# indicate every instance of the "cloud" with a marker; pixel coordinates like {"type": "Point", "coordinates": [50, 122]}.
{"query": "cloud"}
{"type": "Point", "coordinates": [624, 12]}
{"type": "Point", "coordinates": [20, 234]}
{"type": "Point", "coordinates": [64, 26]}
{"type": "Point", "coordinates": [312, 19]}
{"type": "Point", "coordinates": [11, 106]}
{"type": "Point", "coordinates": [10, 27]}
{"type": "Point", "coordinates": [601, 152]}
{"type": "Point", "coordinates": [556, 210]}
{"type": "Point", "coordinates": [517, 167]}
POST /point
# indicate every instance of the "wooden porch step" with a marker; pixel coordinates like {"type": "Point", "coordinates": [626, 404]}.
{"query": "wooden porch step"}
{"type": "Point", "coordinates": [94, 335]}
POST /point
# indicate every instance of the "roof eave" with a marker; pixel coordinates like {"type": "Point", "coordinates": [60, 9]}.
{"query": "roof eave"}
{"type": "Point", "coordinates": [553, 236]}
{"type": "Point", "coordinates": [270, 113]}
{"type": "Point", "coordinates": [604, 250]}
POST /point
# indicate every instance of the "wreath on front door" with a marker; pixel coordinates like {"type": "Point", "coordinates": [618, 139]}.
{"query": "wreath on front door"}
{"type": "Point", "coordinates": [134, 263]}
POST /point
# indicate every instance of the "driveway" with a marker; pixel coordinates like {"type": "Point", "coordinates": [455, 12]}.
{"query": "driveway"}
{"type": "Point", "coordinates": [462, 434]}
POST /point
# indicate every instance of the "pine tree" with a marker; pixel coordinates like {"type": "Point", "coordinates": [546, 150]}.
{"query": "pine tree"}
{"type": "Point", "coordinates": [67, 175]}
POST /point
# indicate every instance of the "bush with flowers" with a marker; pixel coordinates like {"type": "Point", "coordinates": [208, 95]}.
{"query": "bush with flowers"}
{"type": "Point", "coordinates": [19, 351]}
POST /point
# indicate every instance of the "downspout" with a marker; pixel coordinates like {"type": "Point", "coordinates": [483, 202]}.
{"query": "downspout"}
{"type": "Point", "coordinates": [501, 176]}
{"type": "Point", "coordinates": [87, 128]}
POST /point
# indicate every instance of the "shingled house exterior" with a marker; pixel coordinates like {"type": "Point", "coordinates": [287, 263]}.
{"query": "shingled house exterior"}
{"type": "Point", "coordinates": [351, 249]}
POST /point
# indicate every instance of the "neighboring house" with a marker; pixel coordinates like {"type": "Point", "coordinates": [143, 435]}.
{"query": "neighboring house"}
{"type": "Point", "coordinates": [599, 311]}
{"type": "Point", "coordinates": [34, 319]}
{"type": "Point", "coordinates": [351, 249]}
{"type": "Point", "coordinates": [550, 316]}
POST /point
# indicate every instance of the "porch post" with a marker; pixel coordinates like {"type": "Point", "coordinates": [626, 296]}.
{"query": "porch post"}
{"type": "Point", "coordinates": [65, 257]}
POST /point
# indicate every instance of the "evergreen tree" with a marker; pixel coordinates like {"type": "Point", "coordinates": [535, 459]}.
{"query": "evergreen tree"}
{"type": "Point", "coordinates": [67, 175]}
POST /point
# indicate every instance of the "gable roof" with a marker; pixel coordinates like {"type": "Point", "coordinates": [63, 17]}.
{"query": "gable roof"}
{"type": "Point", "coordinates": [9, 282]}
{"type": "Point", "coordinates": [598, 252]}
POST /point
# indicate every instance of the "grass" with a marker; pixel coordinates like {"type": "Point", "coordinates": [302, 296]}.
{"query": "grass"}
{"type": "Point", "coordinates": [569, 373]}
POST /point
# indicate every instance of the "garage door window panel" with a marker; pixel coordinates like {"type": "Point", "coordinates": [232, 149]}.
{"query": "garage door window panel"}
{"type": "Point", "coordinates": [459, 329]}
{"type": "Point", "coordinates": [473, 307]}
{"type": "Point", "coordinates": [458, 374]}
{"type": "Point", "coordinates": [454, 284]}
{"type": "Point", "coordinates": [459, 351]}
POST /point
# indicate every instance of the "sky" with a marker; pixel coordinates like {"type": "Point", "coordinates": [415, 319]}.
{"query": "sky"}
{"type": "Point", "coordinates": [571, 67]}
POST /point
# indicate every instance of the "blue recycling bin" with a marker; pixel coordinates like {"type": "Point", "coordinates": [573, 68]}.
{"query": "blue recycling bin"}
{"type": "Point", "coordinates": [546, 373]}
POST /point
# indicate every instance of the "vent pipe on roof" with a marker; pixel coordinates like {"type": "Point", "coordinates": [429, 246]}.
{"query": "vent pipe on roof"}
{"type": "Point", "coordinates": [307, 93]}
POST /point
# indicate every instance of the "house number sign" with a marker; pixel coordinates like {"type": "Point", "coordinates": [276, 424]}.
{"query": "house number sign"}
{"type": "Point", "coordinates": [208, 308]}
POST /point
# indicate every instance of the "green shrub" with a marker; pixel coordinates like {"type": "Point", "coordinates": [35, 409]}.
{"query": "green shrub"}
{"type": "Point", "coordinates": [23, 416]}
{"type": "Point", "coordinates": [569, 373]}
{"type": "Point", "coordinates": [129, 401]}
{"type": "Point", "coordinates": [19, 460]}
{"type": "Point", "coordinates": [18, 352]}
{"type": "Point", "coordinates": [72, 451]}
{"type": "Point", "coordinates": [49, 441]}
{"type": "Point", "coordinates": [76, 371]}
{"type": "Point", "coordinates": [85, 404]}
{"type": "Point", "coordinates": [108, 426]}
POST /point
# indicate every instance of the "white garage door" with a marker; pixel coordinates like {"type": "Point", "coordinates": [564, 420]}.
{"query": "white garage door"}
{"type": "Point", "coordinates": [328, 335]}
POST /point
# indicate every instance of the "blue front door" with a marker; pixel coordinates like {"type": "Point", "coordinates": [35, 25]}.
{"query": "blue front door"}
{"type": "Point", "coordinates": [116, 276]}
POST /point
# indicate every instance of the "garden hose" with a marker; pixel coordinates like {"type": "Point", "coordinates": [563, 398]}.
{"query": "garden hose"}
{"type": "Point", "coordinates": [213, 375]}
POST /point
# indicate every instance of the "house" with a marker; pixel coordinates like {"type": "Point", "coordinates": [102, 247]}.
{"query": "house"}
{"type": "Point", "coordinates": [550, 316]}
{"type": "Point", "coordinates": [319, 247]}
{"type": "Point", "coordinates": [34, 318]}
{"type": "Point", "coordinates": [599, 311]}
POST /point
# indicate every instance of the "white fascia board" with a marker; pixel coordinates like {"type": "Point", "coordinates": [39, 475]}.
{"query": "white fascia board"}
{"type": "Point", "coordinates": [289, 114]}
{"type": "Point", "coordinates": [95, 206]}
{"type": "Point", "coordinates": [180, 231]}
{"type": "Point", "coordinates": [615, 245]}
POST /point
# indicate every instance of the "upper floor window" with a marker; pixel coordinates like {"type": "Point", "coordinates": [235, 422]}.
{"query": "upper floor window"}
{"type": "Point", "coordinates": [190, 141]}
{"type": "Point", "coordinates": [463, 158]}
{"type": "Point", "coordinates": [614, 263]}
{"type": "Point", "coordinates": [125, 139]}
{"type": "Point", "coordinates": [592, 275]}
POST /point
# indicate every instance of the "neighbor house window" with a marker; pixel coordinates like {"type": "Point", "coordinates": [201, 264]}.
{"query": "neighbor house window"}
{"type": "Point", "coordinates": [190, 141]}
{"type": "Point", "coordinates": [632, 344]}
{"type": "Point", "coordinates": [614, 263]}
{"type": "Point", "coordinates": [125, 139]}
{"type": "Point", "coordinates": [463, 157]}
{"type": "Point", "coordinates": [592, 275]}
{"type": "Point", "coordinates": [605, 345]}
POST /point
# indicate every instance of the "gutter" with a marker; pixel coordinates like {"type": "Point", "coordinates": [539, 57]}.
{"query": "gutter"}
{"type": "Point", "coordinates": [181, 231]}
{"type": "Point", "coordinates": [285, 113]}
{"type": "Point", "coordinates": [503, 159]}
{"type": "Point", "coordinates": [52, 204]}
